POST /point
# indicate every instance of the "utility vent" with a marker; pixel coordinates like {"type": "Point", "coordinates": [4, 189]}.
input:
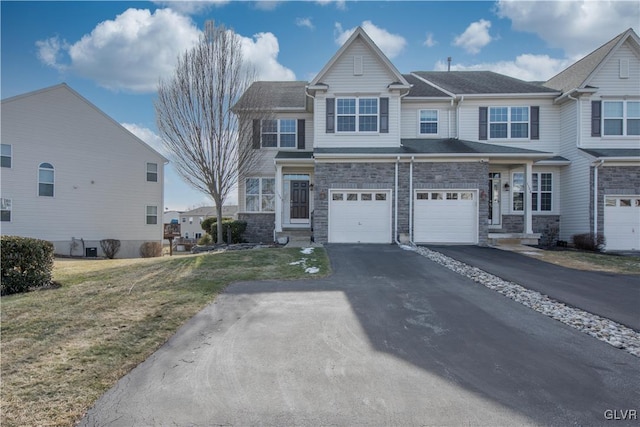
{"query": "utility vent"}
{"type": "Point", "coordinates": [357, 65]}
{"type": "Point", "coordinates": [624, 68]}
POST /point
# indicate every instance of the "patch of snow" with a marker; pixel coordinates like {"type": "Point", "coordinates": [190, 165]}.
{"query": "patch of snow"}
{"type": "Point", "coordinates": [302, 261]}
{"type": "Point", "coordinates": [407, 247]}
{"type": "Point", "coordinates": [531, 253]}
{"type": "Point", "coordinates": [312, 270]}
{"type": "Point", "coordinates": [307, 251]}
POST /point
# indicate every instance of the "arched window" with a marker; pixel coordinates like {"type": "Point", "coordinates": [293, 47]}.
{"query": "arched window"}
{"type": "Point", "coordinates": [45, 180]}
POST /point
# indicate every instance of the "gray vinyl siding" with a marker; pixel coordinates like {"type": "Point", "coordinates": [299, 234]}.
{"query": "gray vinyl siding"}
{"type": "Point", "coordinates": [101, 189]}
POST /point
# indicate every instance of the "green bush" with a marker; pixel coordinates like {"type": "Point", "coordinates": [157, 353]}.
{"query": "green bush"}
{"type": "Point", "coordinates": [205, 240]}
{"type": "Point", "coordinates": [151, 249]}
{"type": "Point", "coordinates": [237, 230]}
{"type": "Point", "coordinates": [211, 222]}
{"type": "Point", "coordinates": [25, 263]}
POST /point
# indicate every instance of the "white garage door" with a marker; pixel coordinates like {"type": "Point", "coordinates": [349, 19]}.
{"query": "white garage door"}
{"type": "Point", "coordinates": [445, 216]}
{"type": "Point", "coordinates": [622, 222]}
{"type": "Point", "coordinates": [360, 216]}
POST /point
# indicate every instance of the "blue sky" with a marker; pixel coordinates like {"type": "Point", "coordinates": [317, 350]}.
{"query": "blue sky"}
{"type": "Point", "coordinates": [113, 53]}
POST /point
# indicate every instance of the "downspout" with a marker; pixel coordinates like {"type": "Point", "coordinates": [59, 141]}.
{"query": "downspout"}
{"type": "Point", "coordinates": [458, 117]}
{"type": "Point", "coordinates": [595, 198]}
{"type": "Point", "coordinates": [578, 120]}
{"type": "Point", "coordinates": [395, 231]}
{"type": "Point", "coordinates": [411, 201]}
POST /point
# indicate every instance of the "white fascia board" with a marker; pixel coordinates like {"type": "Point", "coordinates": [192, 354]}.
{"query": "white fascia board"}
{"type": "Point", "coordinates": [475, 156]}
{"type": "Point", "coordinates": [511, 95]}
{"type": "Point", "coordinates": [553, 163]}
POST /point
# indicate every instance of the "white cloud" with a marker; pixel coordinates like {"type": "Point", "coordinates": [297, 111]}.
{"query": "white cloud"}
{"type": "Point", "coordinates": [390, 44]}
{"type": "Point", "coordinates": [137, 48]}
{"type": "Point", "coordinates": [429, 41]}
{"type": "Point", "coordinates": [577, 26]}
{"type": "Point", "coordinates": [305, 22]}
{"type": "Point", "coordinates": [526, 67]}
{"type": "Point", "coordinates": [191, 7]}
{"type": "Point", "coordinates": [261, 51]}
{"type": "Point", "coordinates": [147, 135]}
{"type": "Point", "coordinates": [266, 5]}
{"type": "Point", "coordinates": [340, 4]}
{"type": "Point", "coordinates": [475, 37]}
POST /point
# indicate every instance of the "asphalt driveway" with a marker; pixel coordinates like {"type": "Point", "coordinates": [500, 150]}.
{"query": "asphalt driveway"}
{"type": "Point", "coordinates": [390, 338]}
{"type": "Point", "coordinates": [610, 295]}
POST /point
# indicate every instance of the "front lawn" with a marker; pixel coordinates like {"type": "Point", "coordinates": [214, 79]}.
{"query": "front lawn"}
{"type": "Point", "coordinates": [63, 348]}
{"type": "Point", "coordinates": [592, 261]}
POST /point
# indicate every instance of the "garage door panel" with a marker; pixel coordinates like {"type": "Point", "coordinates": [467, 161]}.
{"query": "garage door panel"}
{"type": "Point", "coordinates": [622, 222]}
{"type": "Point", "coordinates": [360, 216]}
{"type": "Point", "coordinates": [445, 216]}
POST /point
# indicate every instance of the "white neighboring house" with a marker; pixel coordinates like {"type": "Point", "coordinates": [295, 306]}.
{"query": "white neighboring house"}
{"type": "Point", "coordinates": [190, 221]}
{"type": "Point", "coordinates": [74, 176]}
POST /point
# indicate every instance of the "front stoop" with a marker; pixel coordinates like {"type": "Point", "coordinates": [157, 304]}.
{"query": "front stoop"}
{"type": "Point", "coordinates": [296, 236]}
{"type": "Point", "coordinates": [514, 239]}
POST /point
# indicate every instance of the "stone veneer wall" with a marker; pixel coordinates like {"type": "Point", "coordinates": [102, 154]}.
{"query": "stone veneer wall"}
{"type": "Point", "coordinates": [614, 180]}
{"type": "Point", "coordinates": [260, 226]}
{"type": "Point", "coordinates": [453, 175]}
{"type": "Point", "coordinates": [547, 225]}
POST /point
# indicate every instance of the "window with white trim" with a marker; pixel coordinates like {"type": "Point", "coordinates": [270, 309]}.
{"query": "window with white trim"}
{"type": "Point", "coordinates": [5, 155]}
{"type": "Point", "coordinates": [428, 122]}
{"type": "Point", "coordinates": [280, 133]}
{"type": "Point", "coordinates": [152, 172]}
{"type": "Point", "coordinates": [508, 122]}
{"type": "Point", "coordinates": [541, 192]}
{"type": "Point", "coordinates": [5, 210]}
{"type": "Point", "coordinates": [357, 114]}
{"type": "Point", "coordinates": [45, 180]}
{"type": "Point", "coordinates": [621, 118]}
{"type": "Point", "coordinates": [260, 194]}
{"type": "Point", "coordinates": [152, 215]}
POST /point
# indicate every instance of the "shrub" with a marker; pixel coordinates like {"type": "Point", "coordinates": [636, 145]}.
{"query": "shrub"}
{"type": "Point", "coordinates": [237, 230]}
{"type": "Point", "coordinates": [588, 242]}
{"type": "Point", "coordinates": [110, 247]}
{"type": "Point", "coordinates": [211, 222]}
{"type": "Point", "coordinates": [205, 240]}
{"type": "Point", "coordinates": [151, 249]}
{"type": "Point", "coordinates": [25, 263]}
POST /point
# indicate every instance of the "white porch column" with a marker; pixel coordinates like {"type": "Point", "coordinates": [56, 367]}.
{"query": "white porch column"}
{"type": "Point", "coordinates": [528, 182]}
{"type": "Point", "coordinates": [279, 196]}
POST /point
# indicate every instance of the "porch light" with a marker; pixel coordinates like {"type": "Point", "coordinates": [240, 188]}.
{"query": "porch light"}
{"type": "Point", "coordinates": [311, 187]}
{"type": "Point", "coordinates": [506, 186]}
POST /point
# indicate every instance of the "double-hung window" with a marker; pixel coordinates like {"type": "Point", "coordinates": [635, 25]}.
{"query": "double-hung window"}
{"type": "Point", "coordinates": [152, 215]}
{"type": "Point", "coordinates": [621, 118]}
{"type": "Point", "coordinates": [260, 194]}
{"type": "Point", "coordinates": [45, 180]}
{"type": "Point", "coordinates": [508, 122]}
{"type": "Point", "coordinates": [541, 192]}
{"type": "Point", "coordinates": [428, 122]}
{"type": "Point", "coordinates": [279, 133]}
{"type": "Point", "coordinates": [5, 210]}
{"type": "Point", "coordinates": [5, 155]}
{"type": "Point", "coordinates": [357, 114]}
{"type": "Point", "coordinates": [152, 172]}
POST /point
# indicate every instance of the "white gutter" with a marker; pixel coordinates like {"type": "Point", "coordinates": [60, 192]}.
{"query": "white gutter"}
{"type": "Point", "coordinates": [365, 156]}
{"type": "Point", "coordinates": [595, 198]}
{"type": "Point", "coordinates": [395, 197]}
{"type": "Point", "coordinates": [411, 201]}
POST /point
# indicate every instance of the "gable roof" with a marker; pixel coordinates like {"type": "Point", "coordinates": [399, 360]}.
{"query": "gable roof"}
{"type": "Point", "coordinates": [480, 83]}
{"type": "Point", "coordinates": [578, 75]}
{"type": "Point", "coordinates": [289, 95]}
{"type": "Point", "coordinates": [64, 86]}
{"type": "Point", "coordinates": [359, 33]}
{"type": "Point", "coordinates": [421, 89]}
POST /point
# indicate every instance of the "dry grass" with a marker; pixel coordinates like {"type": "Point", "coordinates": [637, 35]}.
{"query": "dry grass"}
{"type": "Point", "coordinates": [62, 348]}
{"type": "Point", "coordinates": [581, 260]}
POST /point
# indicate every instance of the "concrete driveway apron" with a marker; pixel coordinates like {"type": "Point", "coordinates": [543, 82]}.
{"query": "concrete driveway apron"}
{"type": "Point", "coordinates": [610, 295]}
{"type": "Point", "coordinates": [389, 339]}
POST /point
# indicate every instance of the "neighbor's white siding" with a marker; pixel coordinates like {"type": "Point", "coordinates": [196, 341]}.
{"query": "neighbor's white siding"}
{"type": "Point", "coordinates": [101, 190]}
{"type": "Point", "coordinates": [410, 119]}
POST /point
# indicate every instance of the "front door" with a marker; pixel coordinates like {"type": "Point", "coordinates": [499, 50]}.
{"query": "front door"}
{"type": "Point", "coordinates": [494, 198]}
{"type": "Point", "coordinates": [299, 200]}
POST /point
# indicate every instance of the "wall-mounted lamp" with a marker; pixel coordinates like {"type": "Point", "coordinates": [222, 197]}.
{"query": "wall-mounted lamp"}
{"type": "Point", "coordinates": [311, 187]}
{"type": "Point", "coordinates": [506, 186]}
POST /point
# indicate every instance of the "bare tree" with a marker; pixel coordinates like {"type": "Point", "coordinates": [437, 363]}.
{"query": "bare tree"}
{"type": "Point", "coordinates": [195, 120]}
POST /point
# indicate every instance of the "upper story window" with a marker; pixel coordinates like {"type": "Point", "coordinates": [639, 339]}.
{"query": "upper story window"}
{"type": "Point", "coordinates": [152, 172]}
{"type": "Point", "coordinates": [541, 191]}
{"type": "Point", "coordinates": [621, 118]}
{"type": "Point", "coordinates": [508, 122]}
{"type": "Point", "coordinates": [428, 122]}
{"type": "Point", "coordinates": [5, 156]}
{"type": "Point", "coordinates": [357, 114]}
{"type": "Point", "coordinates": [5, 210]}
{"type": "Point", "coordinates": [279, 133]}
{"type": "Point", "coordinates": [152, 215]}
{"type": "Point", "coordinates": [45, 180]}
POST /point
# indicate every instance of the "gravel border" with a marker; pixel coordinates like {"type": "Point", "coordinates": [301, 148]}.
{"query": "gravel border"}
{"type": "Point", "coordinates": [598, 327]}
